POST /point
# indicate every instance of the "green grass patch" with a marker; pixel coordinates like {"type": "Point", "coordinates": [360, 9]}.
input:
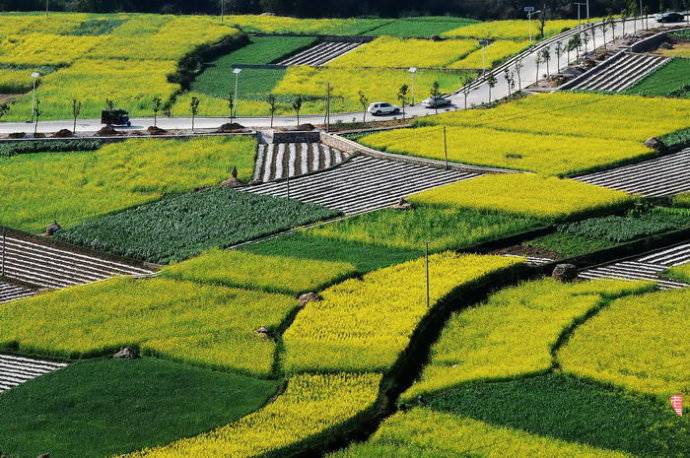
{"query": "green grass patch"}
{"type": "Point", "coordinates": [672, 80]}
{"type": "Point", "coordinates": [182, 226]}
{"type": "Point", "coordinates": [425, 26]}
{"type": "Point", "coordinates": [595, 234]}
{"type": "Point", "coordinates": [204, 325]}
{"type": "Point", "coordinates": [678, 138]}
{"type": "Point", "coordinates": [97, 26]}
{"type": "Point", "coordinates": [218, 80]}
{"type": "Point", "coordinates": [680, 273]}
{"type": "Point", "coordinates": [272, 273]}
{"type": "Point", "coordinates": [562, 408]}
{"type": "Point", "coordinates": [73, 187]}
{"type": "Point", "coordinates": [111, 407]}
{"type": "Point", "coordinates": [305, 244]}
{"type": "Point", "coordinates": [445, 228]}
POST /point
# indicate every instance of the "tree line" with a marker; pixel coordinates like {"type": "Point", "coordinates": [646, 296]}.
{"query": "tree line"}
{"type": "Point", "coordinates": [479, 9]}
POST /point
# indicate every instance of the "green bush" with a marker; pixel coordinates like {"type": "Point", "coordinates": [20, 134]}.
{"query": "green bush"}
{"type": "Point", "coordinates": [56, 146]}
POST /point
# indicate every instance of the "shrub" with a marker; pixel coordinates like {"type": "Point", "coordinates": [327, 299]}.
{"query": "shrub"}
{"type": "Point", "coordinates": [311, 406]}
{"type": "Point", "coordinates": [55, 146]}
{"type": "Point", "coordinates": [363, 325]}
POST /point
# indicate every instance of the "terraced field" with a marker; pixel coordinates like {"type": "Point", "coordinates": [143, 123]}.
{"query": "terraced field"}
{"type": "Point", "coordinates": [303, 308]}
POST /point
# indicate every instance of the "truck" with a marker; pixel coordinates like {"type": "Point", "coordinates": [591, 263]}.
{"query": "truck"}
{"type": "Point", "coordinates": [115, 118]}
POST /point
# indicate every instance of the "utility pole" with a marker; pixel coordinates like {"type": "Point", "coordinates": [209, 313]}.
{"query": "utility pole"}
{"type": "Point", "coordinates": [222, 10]}
{"type": "Point", "coordinates": [237, 72]}
{"type": "Point", "coordinates": [428, 289]}
{"type": "Point", "coordinates": [4, 242]}
{"type": "Point", "coordinates": [413, 72]}
{"type": "Point", "coordinates": [329, 90]}
{"type": "Point", "coordinates": [588, 16]}
{"type": "Point", "coordinates": [445, 145]}
{"type": "Point", "coordinates": [47, 7]}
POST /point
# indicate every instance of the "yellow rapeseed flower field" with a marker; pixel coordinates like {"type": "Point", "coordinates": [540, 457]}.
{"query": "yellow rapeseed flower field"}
{"type": "Point", "coordinates": [132, 85]}
{"type": "Point", "coordinates": [56, 23]}
{"type": "Point", "coordinates": [620, 117]}
{"type": "Point", "coordinates": [392, 52]}
{"type": "Point", "coordinates": [45, 49]}
{"type": "Point", "coordinates": [510, 29]}
{"type": "Point", "coordinates": [545, 197]}
{"type": "Point", "coordinates": [496, 52]}
{"type": "Point", "coordinates": [512, 334]}
{"type": "Point", "coordinates": [15, 81]}
{"type": "Point", "coordinates": [553, 134]}
{"type": "Point", "coordinates": [198, 324]}
{"type": "Point", "coordinates": [428, 433]}
{"type": "Point", "coordinates": [74, 186]}
{"type": "Point", "coordinates": [376, 84]}
{"type": "Point", "coordinates": [544, 154]}
{"type": "Point", "coordinates": [175, 38]}
{"type": "Point", "coordinates": [638, 342]}
{"type": "Point", "coordinates": [362, 325]}
{"type": "Point", "coordinates": [681, 273]}
{"type": "Point", "coordinates": [271, 273]}
{"type": "Point", "coordinates": [311, 405]}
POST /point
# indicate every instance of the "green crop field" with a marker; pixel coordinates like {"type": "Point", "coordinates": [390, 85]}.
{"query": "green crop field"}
{"type": "Point", "coordinates": [109, 407]}
{"type": "Point", "coordinates": [425, 26]}
{"type": "Point", "coordinates": [182, 226]}
{"type": "Point", "coordinates": [594, 234]}
{"type": "Point", "coordinates": [672, 80]}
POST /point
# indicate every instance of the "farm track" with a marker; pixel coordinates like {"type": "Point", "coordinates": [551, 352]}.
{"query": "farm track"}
{"type": "Point", "coordinates": [663, 176]}
{"type": "Point", "coordinates": [15, 370]}
{"type": "Point", "coordinates": [282, 160]}
{"type": "Point", "coordinates": [647, 267]}
{"type": "Point", "coordinates": [46, 266]}
{"type": "Point", "coordinates": [622, 72]}
{"type": "Point", "coordinates": [321, 53]}
{"type": "Point", "coordinates": [10, 292]}
{"type": "Point", "coordinates": [362, 184]}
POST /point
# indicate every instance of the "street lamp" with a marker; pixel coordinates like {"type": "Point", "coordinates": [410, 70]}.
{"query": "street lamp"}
{"type": "Point", "coordinates": [530, 10]}
{"type": "Point", "coordinates": [413, 72]}
{"type": "Point", "coordinates": [579, 15]}
{"type": "Point", "coordinates": [484, 44]}
{"type": "Point", "coordinates": [35, 76]}
{"type": "Point", "coordinates": [237, 72]}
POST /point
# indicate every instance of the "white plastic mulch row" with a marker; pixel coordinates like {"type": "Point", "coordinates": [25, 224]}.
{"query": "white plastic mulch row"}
{"type": "Point", "coordinates": [361, 184]}
{"type": "Point", "coordinates": [15, 370]}
{"type": "Point", "coordinates": [283, 160]}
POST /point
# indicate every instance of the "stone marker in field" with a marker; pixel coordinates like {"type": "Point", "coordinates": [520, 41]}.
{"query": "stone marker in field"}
{"type": "Point", "coordinates": [565, 272]}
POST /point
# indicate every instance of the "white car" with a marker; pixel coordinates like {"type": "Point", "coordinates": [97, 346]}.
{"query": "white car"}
{"type": "Point", "coordinates": [383, 109]}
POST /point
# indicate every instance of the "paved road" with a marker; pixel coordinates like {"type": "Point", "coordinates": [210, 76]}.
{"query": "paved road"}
{"type": "Point", "coordinates": [481, 93]}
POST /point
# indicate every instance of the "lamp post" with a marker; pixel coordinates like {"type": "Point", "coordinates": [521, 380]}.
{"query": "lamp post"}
{"type": "Point", "coordinates": [35, 76]}
{"type": "Point", "coordinates": [413, 72]}
{"type": "Point", "coordinates": [579, 15]}
{"type": "Point", "coordinates": [222, 10]}
{"type": "Point", "coordinates": [484, 44]}
{"type": "Point", "coordinates": [530, 10]}
{"type": "Point", "coordinates": [237, 72]}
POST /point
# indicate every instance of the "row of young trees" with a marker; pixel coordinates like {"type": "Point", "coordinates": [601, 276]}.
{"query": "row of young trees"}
{"type": "Point", "coordinates": [481, 9]}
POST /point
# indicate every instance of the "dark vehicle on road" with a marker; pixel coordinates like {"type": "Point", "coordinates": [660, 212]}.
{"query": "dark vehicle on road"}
{"type": "Point", "coordinates": [115, 118]}
{"type": "Point", "coordinates": [670, 17]}
{"type": "Point", "coordinates": [436, 102]}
